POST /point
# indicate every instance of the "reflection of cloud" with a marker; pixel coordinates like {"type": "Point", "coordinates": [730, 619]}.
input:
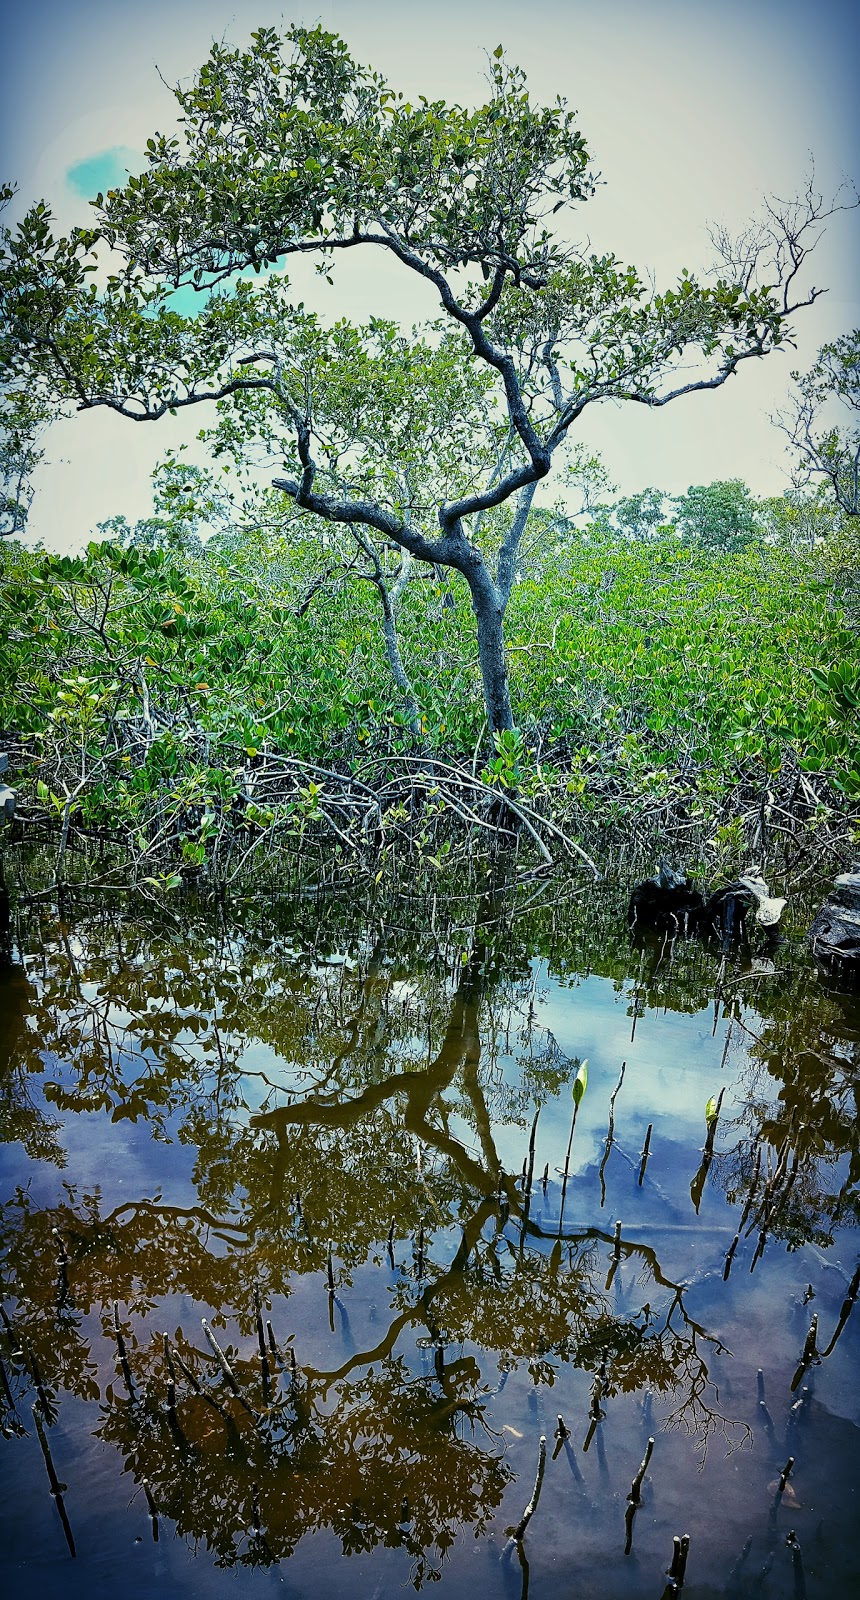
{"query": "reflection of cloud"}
{"type": "Point", "coordinates": [109, 169]}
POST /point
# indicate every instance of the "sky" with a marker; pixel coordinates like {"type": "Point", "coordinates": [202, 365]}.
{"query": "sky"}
{"type": "Point", "coordinates": [693, 110]}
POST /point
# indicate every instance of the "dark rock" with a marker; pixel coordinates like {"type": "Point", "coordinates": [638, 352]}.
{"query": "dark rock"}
{"type": "Point", "coordinates": [666, 902]}
{"type": "Point", "coordinates": [724, 915]}
{"type": "Point", "coordinates": [835, 933]}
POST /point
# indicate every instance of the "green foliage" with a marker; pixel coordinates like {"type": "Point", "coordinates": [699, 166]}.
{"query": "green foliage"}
{"type": "Point", "coordinates": [718, 516]}
{"type": "Point", "coordinates": [640, 516]}
{"type": "Point", "coordinates": [144, 683]}
{"type": "Point", "coordinates": [506, 768]}
{"type": "Point", "coordinates": [825, 425]}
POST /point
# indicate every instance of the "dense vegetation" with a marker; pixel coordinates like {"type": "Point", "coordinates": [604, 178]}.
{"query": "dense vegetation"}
{"type": "Point", "coordinates": [192, 700]}
{"type": "Point", "coordinates": [399, 632]}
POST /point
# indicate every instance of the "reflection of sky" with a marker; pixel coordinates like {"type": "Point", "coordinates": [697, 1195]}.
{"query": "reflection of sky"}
{"type": "Point", "coordinates": [674, 1065]}
{"type": "Point", "coordinates": [673, 1068]}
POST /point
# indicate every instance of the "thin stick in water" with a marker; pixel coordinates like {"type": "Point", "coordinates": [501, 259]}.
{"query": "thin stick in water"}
{"type": "Point", "coordinates": [226, 1369]}
{"type": "Point", "coordinates": [645, 1151]}
{"type": "Point", "coordinates": [532, 1506]}
{"type": "Point", "coordinates": [152, 1508]}
{"type": "Point", "coordinates": [610, 1134]}
{"type": "Point", "coordinates": [55, 1485]}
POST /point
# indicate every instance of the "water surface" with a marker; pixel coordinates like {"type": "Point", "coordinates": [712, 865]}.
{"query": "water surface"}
{"type": "Point", "coordinates": [343, 1128]}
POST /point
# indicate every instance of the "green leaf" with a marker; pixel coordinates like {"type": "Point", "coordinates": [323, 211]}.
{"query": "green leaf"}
{"type": "Point", "coordinates": [580, 1083]}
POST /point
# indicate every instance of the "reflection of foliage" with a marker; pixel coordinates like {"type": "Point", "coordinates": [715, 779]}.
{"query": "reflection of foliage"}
{"type": "Point", "coordinates": [807, 1043]}
{"type": "Point", "coordinates": [392, 1463]}
{"type": "Point", "coordinates": [322, 1075]}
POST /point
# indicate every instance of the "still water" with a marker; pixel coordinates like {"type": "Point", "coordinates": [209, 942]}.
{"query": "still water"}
{"type": "Point", "coordinates": [301, 1262]}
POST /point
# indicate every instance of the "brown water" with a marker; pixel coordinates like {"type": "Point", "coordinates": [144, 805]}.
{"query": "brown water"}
{"type": "Point", "coordinates": [356, 1116]}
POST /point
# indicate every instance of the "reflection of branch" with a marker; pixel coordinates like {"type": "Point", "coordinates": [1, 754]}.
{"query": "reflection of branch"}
{"type": "Point", "coordinates": [421, 1311]}
{"type": "Point", "coordinates": [460, 1048]}
{"type": "Point", "coordinates": [610, 1135]}
{"type": "Point", "coordinates": [694, 1415]}
{"type": "Point", "coordinates": [220, 1227]}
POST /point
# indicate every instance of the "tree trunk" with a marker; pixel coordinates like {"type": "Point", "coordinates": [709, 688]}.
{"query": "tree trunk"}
{"type": "Point", "coordinates": [398, 671]}
{"type": "Point", "coordinates": [489, 610]}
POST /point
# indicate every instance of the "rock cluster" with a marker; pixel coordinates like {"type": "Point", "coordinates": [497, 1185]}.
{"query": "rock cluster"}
{"type": "Point", "coordinates": [835, 933]}
{"type": "Point", "coordinates": [668, 903]}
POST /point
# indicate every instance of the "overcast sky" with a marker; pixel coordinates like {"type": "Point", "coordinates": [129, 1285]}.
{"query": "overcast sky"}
{"type": "Point", "coordinates": [693, 109]}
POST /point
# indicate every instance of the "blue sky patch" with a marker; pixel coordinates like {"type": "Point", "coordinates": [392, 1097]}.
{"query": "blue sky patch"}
{"type": "Point", "coordinates": [109, 169]}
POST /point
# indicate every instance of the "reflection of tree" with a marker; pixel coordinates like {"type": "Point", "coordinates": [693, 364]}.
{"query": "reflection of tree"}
{"type": "Point", "coordinates": [393, 1462]}
{"type": "Point", "coordinates": [806, 1045]}
{"type": "Point", "coordinates": [20, 1116]}
{"type": "Point", "coordinates": [381, 1044]}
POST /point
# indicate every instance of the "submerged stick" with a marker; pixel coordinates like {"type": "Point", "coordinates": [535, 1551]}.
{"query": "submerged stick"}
{"type": "Point", "coordinates": [62, 1264]}
{"type": "Point", "coordinates": [676, 1556]}
{"type": "Point", "coordinates": [579, 1086]}
{"type": "Point", "coordinates": [847, 1307]}
{"type": "Point", "coordinates": [748, 1204]}
{"type": "Point", "coordinates": [265, 1374]}
{"type": "Point", "coordinates": [735, 1574]}
{"type": "Point", "coordinates": [636, 1485]}
{"type": "Point", "coordinates": [273, 1345]}
{"type": "Point", "coordinates": [226, 1368]}
{"type": "Point", "coordinates": [678, 1568]}
{"type": "Point", "coordinates": [596, 1414]}
{"type": "Point", "coordinates": [528, 1175]}
{"type": "Point", "coordinates": [562, 1435]}
{"type": "Point", "coordinates": [152, 1508]}
{"type": "Point", "coordinates": [10, 1398]}
{"type": "Point", "coordinates": [610, 1134]}
{"type": "Point", "coordinates": [730, 1256]}
{"type": "Point", "coordinates": [779, 1491]}
{"type": "Point", "coordinates": [35, 1370]}
{"type": "Point", "coordinates": [200, 1389]}
{"type": "Point", "coordinates": [682, 1560]}
{"type": "Point", "coordinates": [10, 1331]}
{"type": "Point", "coordinates": [793, 1544]}
{"type": "Point", "coordinates": [635, 1496]}
{"type": "Point", "coordinates": [56, 1487]}
{"type": "Point", "coordinates": [795, 1412]}
{"type": "Point", "coordinates": [172, 1418]}
{"type": "Point", "coordinates": [645, 1151]}
{"type": "Point", "coordinates": [532, 1506]}
{"type": "Point", "coordinates": [121, 1352]}
{"type": "Point", "coordinates": [809, 1355]}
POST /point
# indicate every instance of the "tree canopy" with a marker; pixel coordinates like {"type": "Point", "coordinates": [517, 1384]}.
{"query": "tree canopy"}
{"type": "Point", "coordinates": [718, 516]}
{"type": "Point", "coordinates": [289, 147]}
{"type": "Point", "coordinates": [829, 449]}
